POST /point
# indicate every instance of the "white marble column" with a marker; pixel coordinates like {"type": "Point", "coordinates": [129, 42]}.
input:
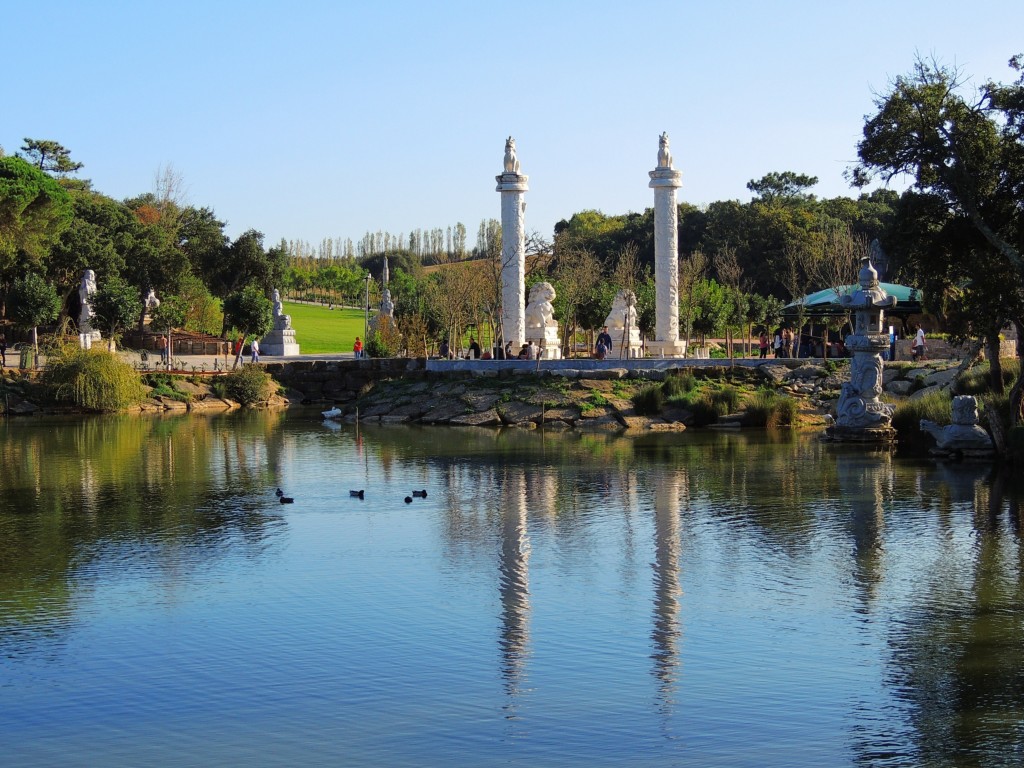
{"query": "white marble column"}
{"type": "Point", "coordinates": [665, 180]}
{"type": "Point", "coordinates": [513, 188]}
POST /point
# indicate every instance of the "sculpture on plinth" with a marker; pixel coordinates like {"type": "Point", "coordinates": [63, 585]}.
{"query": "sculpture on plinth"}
{"type": "Point", "coordinates": [964, 437]}
{"type": "Point", "coordinates": [541, 326]}
{"type": "Point", "coordinates": [86, 291]}
{"type": "Point", "coordinates": [622, 324]}
{"type": "Point", "coordinates": [664, 153]}
{"type": "Point", "coordinates": [665, 180]}
{"type": "Point", "coordinates": [511, 161]}
{"type": "Point", "coordinates": [512, 185]}
{"type": "Point", "coordinates": [280, 340]}
{"type": "Point", "coordinates": [860, 415]}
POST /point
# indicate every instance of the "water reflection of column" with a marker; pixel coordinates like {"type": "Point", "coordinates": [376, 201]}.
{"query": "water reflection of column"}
{"type": "Point", "coordinates": [515, 580]}
{"type": "Point", "coordinates": [668, 491]}
{"type": "Point", "coordinates": [863, 478]}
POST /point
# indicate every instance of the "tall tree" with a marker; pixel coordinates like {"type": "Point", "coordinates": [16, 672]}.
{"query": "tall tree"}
{"type": "Point", "coordinates": [34, 211]}
{"type": "Point", "coordinates": [964, 150]}
{"type": "Point", "coordinates": [49, 156]}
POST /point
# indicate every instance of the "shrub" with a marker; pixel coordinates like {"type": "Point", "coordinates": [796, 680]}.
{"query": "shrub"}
{"type": "Point", "coordinates": [678, 384]}
{"type": "Point", "coordinates": [163, 386]}
{"type": "Point", "coordinates": [767, 408]}
{"type": "Point", "coordinates": [725, 400]}
{"type": "Point", "coordinates": [976, 380]}
{"type": "Point", "coordinates": [249, 385]}
{"type": "Point", "coordinates": [936, 406]}
{"type": "Point", "coordinates": [93, 379]}
{"type": "Point", "coordinates": [649, 400]}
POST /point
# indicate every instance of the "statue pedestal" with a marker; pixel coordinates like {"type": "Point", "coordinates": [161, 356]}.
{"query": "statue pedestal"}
{"type": "Point", "coordinates": [878, 435]}
{"type": "Point", "coordinates": [549, 345]}
{"type": "Point", "coordinates": [626, 347]}
{"type": "Point", "coordinates": [279, 342]}
{"type": "Point", "coordinates": [675, 348]}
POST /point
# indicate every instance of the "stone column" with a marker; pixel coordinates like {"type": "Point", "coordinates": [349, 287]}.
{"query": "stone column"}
{"type": "Point", "coordinates": [513, 188]}
{"type": "Point", "coordinates": [665, 180]}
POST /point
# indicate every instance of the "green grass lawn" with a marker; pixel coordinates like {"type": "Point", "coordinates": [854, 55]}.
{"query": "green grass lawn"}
{"type": "Point", "coordinates": [322, 330]}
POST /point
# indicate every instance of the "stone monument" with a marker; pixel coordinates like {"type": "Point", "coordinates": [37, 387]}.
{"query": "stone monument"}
{"type": "Point", "coordinates": [964, 437]}
{"type": "Point", "coordinates": [541, 326]}
{"type": "Point", "coordinates": [622, 325]}
{"type": "Point", "coordinates": [665, 180]}
{"type": "Point", "coordinates": [86, 291]}
{"type": "Point", "coordinates": [861, 416]}
{"type": "Point", "coordinates": [512, 186]}
{"type": "Point", "coordinates": [281, 340]}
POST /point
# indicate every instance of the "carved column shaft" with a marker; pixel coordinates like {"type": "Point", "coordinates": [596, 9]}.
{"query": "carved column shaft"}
{"type": "Point", "coordinates": [513, 188]}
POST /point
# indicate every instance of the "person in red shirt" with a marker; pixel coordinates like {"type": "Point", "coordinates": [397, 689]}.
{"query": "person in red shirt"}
{"type": "Point", "coordinates": [357, 348]}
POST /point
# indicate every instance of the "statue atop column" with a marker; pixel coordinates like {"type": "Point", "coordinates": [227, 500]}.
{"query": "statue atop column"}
{"type": "Point", "coordinates": [512, 185]}
{"type": "Point", "coordinates": [860, 415]}
{"type": "Point", "coordinates": [511, 161]}
{"type": "Point", "coordinates": [664, 154]}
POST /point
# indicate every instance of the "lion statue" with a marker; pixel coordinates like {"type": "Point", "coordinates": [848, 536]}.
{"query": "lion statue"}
{"type": "Point", "coordinates": [539, 312]}
{"type": "Point", "coordinates": [623, 311]}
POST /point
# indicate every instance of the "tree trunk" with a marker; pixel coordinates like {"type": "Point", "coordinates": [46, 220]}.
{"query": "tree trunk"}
{"type": "Point", "coordinates": [995, 370]}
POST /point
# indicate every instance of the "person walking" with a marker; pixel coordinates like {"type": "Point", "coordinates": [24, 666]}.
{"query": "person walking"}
{"type": "Point", "coordinates": [357, 348]}
{"type": "Point", "coordinates": [254, 348]}
{"type": "Point", "coordinates": [762, 342]}
{"type": "Point", "coordinates": [917, 348]}
{"type": "Point", "coordinates": [604, 339]}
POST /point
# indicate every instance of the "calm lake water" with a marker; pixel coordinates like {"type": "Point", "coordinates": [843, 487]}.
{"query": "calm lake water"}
{"type": "Point", "coordinates": [556, 599]}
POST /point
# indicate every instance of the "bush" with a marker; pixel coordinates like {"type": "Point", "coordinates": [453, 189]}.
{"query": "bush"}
{"type": "Point", "coordinates": [936, 406]}
{"type": "Point", "coordinates": [163, 386]}
{"type": "Point", "coordinates": [725, 400]}
{"type": "Point", "coordinates": [649, 400]}
{"type": "Point", "coordinates": [976, 380]}
{"type": "Point", "coordinates": [249, 385]}
{"type": "Point", "coordinates": [93, 379]}
{"type": "Point", "coordinates": [678, 384]}
{"type": "Point", "coordinates": [767, 408]}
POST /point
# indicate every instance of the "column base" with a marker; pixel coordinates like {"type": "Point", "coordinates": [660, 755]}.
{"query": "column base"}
{"type": "Point", "coordinates": [666, 348]}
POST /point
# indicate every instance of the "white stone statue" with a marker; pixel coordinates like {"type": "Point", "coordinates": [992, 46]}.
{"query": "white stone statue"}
{"type": "Point", "coordinates": [664, 154]}
{"type": "Point", "coordinates": [86, 292]}
{"type": "Point", "coordinates": [540, 313]}
{"type": "Point", "coordinates": [623, 312]}
{"type": "Point", "coordinates": [964, 435]}
{"type": "Point", "coordinates": [511, 161]}
{"type": "Point", "coordinates": [387, 306]}
{"type": "Point", "coordinates": [282, 322]}
{"type": "Point", "coordinates": [151, 301]}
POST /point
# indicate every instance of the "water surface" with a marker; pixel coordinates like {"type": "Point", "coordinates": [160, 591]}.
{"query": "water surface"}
{"type": "Point", "coordinates": [556, 599]}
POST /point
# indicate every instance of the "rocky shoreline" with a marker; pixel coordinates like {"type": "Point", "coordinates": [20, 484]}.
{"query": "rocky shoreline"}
{"type": "Point", "coordinates": [557, 399]}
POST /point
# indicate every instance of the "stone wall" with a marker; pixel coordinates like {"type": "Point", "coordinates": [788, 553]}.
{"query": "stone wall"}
{"type": "Point", "coordinates": [939, 349]}
{"type": "Point", "coordinates": [341, 381]}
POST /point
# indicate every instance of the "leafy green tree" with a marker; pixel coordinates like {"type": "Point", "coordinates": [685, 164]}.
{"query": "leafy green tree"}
{"type": "Point", "coordinates": [249, 312]}
{"type": "Point", "coordinates": [785, 185]}
{"type": "Point", "coordinates": [49, 156]}
{"type": "Point", "coordinates": [32, 302]}
{"type": "Point", "coordinates": [34, 211]}
{"type": "Point", "coordinates": [965, 153]}
{"type": "Point", "coordinates": [117, 305]}
{"type": "Point", "coordinates": [98, 237]}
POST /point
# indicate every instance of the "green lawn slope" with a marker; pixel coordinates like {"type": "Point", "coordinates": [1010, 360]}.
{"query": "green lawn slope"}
{"type": "Point", "coordinates": [322, 330]}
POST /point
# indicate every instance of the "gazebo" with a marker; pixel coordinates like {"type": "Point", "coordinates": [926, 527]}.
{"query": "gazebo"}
{"type": "Point", "coordinates": [828, 302]}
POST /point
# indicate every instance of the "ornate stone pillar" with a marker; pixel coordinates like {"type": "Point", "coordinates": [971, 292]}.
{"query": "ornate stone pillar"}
{"type": "Point", "coordinates": [665, 180]}
{"type": "Point", "coordinates": [861, 417]}
{"type": "Point", "coordinates": [513, 188]}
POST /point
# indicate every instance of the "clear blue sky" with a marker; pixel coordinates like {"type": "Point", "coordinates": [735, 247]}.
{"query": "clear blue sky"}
{"type": "Point", "coordinates": [308, 120]}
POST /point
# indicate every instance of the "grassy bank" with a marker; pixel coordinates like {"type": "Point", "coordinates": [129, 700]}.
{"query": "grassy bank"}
{"type": "Point", "coordinates": [320, 330]}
